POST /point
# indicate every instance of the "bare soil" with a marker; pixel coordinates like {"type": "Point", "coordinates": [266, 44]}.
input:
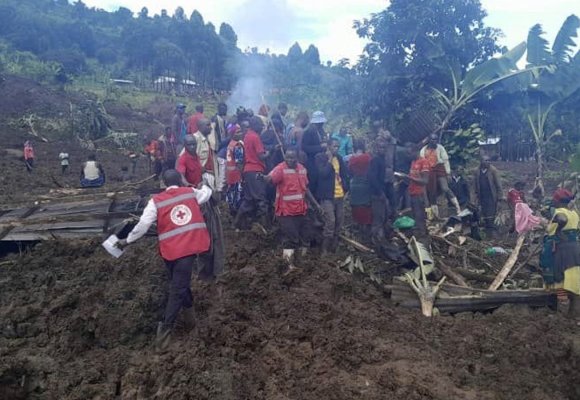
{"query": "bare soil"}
{"type": "Point", "coordinates": [76, 323]}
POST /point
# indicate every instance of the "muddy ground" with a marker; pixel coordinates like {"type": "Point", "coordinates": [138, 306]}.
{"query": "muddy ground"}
{"type": "Point", "coordinates": [77, 324]}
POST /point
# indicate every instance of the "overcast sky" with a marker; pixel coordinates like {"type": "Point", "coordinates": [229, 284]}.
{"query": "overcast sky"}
{"type": "Point", "coordinates": [277, 24]}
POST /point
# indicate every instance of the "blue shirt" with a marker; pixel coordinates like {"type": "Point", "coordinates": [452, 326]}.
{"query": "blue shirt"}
{"type": "Point", "coordinates": [344, 144]}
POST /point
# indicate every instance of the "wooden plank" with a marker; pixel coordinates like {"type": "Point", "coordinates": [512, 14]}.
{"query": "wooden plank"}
{"type": "Point", "coordinates": [453, 298]}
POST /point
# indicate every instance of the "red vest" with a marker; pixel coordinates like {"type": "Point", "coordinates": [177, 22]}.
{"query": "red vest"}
{"type": "Point", "coordinates": [233, 173]}
{"type": "Point", "coordinates": [291, 191]}
{"type": "Point", "coordinates": [181, 228]}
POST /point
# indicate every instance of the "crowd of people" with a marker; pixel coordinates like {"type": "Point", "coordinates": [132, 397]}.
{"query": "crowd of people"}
{"type": "Point", "coordinates": [268, 168]}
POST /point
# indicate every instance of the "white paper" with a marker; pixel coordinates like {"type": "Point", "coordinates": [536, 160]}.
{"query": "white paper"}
{"type": "Point", "coordinates": [109, 245]}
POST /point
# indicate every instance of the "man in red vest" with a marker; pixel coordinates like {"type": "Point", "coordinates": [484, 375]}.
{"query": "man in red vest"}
{"type": "Point", "coordinates": [291, 183]}
{"type": "Point", "coordinates": [183, 236]}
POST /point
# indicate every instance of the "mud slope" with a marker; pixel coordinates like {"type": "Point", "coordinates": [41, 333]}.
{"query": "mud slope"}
{"type": "Point", "coordinates": [77, 324]}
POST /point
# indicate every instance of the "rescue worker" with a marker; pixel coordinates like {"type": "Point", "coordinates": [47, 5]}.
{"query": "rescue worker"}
{"type": "Point", "coordinates": [291, 182]}
{"type": "Point", "coordinates": [192, 122]}
{"type": "Point", "coordinates": [184, 241]}
{"type": "Point", "coordinates": [189, 165]}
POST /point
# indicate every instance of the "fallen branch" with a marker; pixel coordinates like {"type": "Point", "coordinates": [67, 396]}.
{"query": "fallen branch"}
{"type": "Point", "coordinates": [455, 276]}
{"type": "Point", "coordinates": [511, 261]}
{"type": "Point", "coordinates": [469, 254]}
{"type": "Point", "coordinates": [427, 293]}
{"type": "Point", "coordinates": [356, 244]}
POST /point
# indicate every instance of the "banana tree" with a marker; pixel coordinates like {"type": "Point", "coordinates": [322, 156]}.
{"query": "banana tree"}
{"type": "Point", "coordinates": [478, 79]}
{"type": "Point", "coordinates": [558, 80]}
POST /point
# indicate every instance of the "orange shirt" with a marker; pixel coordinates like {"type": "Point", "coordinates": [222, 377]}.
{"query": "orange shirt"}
{"type": "Point", "coordinates": [431, 157]}
{"type": "Point", "coordinates": [418, 167]}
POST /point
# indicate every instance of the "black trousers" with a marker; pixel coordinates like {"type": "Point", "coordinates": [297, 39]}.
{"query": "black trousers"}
{"type": "Point", "coordinates": [295, 231]}
{"type": "Point", "coordinates": [179, 272]}
{"type": "Point", "coordinates": [253, 195]}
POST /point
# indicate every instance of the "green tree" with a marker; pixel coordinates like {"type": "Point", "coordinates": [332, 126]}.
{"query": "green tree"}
{"type": "Point", "coordinates": [412, 45]}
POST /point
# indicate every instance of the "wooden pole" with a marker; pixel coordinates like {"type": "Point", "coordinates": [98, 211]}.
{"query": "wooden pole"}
{"type": "Point", "coordinates": [511, 261]}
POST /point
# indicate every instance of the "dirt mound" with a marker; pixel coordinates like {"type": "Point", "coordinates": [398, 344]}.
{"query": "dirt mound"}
{"type": "Point", "coordinates": [78, 324]}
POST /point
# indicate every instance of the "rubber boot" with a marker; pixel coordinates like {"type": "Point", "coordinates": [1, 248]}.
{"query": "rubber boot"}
{"type": "Point", "coordinates": [455, 203]}
{"type": "Point", "coordinates": [288, 256]}
{"type": "Point", "coordinates": [435, 212]}
{"type": "Point", "coordinates": [163, 337]}
{"type": "Point", "coordinates": [574, 307]}
{"type": "Point", "coordinates": [188, 318]}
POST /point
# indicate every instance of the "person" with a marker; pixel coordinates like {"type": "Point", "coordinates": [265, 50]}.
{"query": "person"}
{"type": "Point", "coordinates": [488, 192]}
{"type": "Point", "coordinates": [390, 144]}
{"type": "Point", "coordinates": [280, 114]}
{"type": "Point", "coordinates": [234, 167]}
{"type": "Point", "coordinates": [179, 125]}
{"type": "Point", "coordinates": [192, 122]}
{"type": "Point", "coordinates": [133, 158]}
{"type": "Point", "coordinates": [360, 192]}
{"type": "Point", "coordinates": [253, 189]}
{"type": "Point", "coordinates": [560, 257]}
{"type": "Point", "coordinates": [291, 182]}
{"type": "Point", "coordinates": [188, 163]}
{"type": "Point", "coordinates": [219, 124]}
{"type": "Point", "coordinates": [206, 146]}
{"type": "Point", "coordinates": [460, 188]}
{"type": "Point", "coordinates": [272, 140]}
{"type": "Point", "coordinates": [64, 162]}
{"type": "Point", "coordinates": [92, 173]}
{"type": "Point", "coordinates": [155, 161]}
{"type": "Point", "coordinates": [404, 157]}
{"type": "Point", "coordinates": [418, 179]}
{"type": "Point", "coordinates": [28, 156]}
{"type": "Point", "coordinates": [263, 113]}
{"type": "Point", "coordinates": [189, 166]}
{"type": "Point", "coordinates": [345, 144]}
{"type": "Point", "coordinates": [440, 169]}
{"type": "Point", "coordinates": [382, 185]}
{"type": "Point", "coordinates": [333, 184]}
{"type": "Point", "coordinates": [294, 133]}
{"type": "Point", "coordinates": [183, 244]}
{"type": "Point", "coordinates": [167, 144]}
{"type": "Point", "coordinates": [220, 133]}
{"type": "Point", "coordinates": [524, 219]}
{"type": "Point", "coordinates": [314, 141]}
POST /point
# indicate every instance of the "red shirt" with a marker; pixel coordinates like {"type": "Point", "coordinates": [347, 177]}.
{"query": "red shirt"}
{"type": "Point", "coordinates": [28, 152]}
{"type": "Point", "coordinates": [192, 122]}
{"type": "Point", "coordinates": [190, 167]}
{"type": "Point", "coordinates": [418, 167]}
{"type": "Point", "coordinates": [291, 186]}
{"type": "Point", "coordinates": [253, 147]}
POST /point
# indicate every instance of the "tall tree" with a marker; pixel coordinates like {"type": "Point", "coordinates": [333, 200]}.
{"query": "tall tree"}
{"type": "Point", "coordinates": [413, 45]}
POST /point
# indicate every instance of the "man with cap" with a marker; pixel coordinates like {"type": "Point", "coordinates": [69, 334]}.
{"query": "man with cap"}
{"type": "Point", "coordinates": [183, 242]}
{"type": "Point", "coordinates": [314, 142]}
{"type": "Point", "coordinates": [178, 125]}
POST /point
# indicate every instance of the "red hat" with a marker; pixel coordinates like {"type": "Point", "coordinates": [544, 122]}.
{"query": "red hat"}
{"type": "Point", "coordinates": [562, 196]}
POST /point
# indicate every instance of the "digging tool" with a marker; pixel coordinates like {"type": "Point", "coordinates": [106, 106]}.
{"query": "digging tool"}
{"type": "Point", "coordinates": [356, 245]}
